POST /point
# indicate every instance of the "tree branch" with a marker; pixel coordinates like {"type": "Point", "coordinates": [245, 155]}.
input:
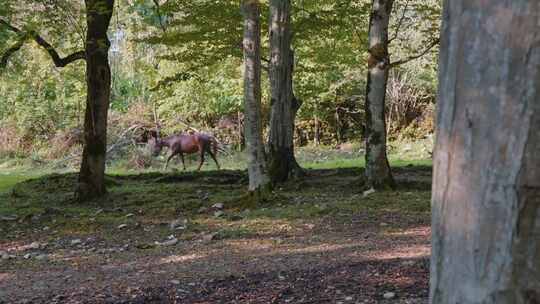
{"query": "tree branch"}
{"type": "Point", "coordinates": [158, 12]}
{"type": "Point", "coordinates": [400, 22]}
{"type": "Point", "coordinates": [411, 58]}
{"type": "Point", "coordinates": [58, 61]}
{"type": "Point", "coordinates": [5, 57]}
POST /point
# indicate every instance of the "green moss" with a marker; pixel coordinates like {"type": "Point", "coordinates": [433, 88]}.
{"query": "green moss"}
{"type": "Point", "coordinates": [331, 189]}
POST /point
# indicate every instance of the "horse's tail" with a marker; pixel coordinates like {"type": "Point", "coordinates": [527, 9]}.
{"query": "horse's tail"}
{"type": "Point", "coordinates": [216, 146]}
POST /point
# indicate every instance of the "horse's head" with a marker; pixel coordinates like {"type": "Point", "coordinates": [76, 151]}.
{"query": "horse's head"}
{"type": "Point", "coordinates": [155, 144]}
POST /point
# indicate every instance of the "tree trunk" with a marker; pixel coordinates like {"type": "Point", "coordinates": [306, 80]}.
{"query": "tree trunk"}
{"type": "Point", "coordinates": [240, 131]}
{"type": "Point", "coordinates": [281, 160]}
{"type": "Point", "coordinates": [98, 81]}
{"type": "Point", "coordinates": [378, 174]}
{"type": "Point", "coordinates": [337, 117]}
{"type": "Point", "coordinates": [486, 190]}
{"type": "Point", "coordinates": [317, 131]}
{"type": "Point", "coordinates": [259, 182]}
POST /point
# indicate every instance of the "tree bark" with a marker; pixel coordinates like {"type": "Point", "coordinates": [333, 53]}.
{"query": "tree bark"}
{"type": "Point", "coordinates": [486, 190]}
{"type": "Point", "coordinates": [281, 161]}
{"type": "Point", "coordinates": [98, 81]}
{"type": "Point", "coordinates": [259, 181]}
{"type": "Point", "coordinates": [378, 173]}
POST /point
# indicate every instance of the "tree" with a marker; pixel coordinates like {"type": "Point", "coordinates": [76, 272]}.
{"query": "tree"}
{"type": "Point", "coordinates": [486, 190]}
{"type": "Point", "coordinates": [378, 173]}
{"type": "Point", "coordinates": [284, 105]}
{"type": "Point", "coordinates": [259, 182]}
{"type": "Point", "coordinates": [98, 81]}
{"type": "Point", "coordinates": [98, 78]}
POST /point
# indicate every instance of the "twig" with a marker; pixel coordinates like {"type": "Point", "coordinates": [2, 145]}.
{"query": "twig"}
{"type": "Point", "coordinates": [58, 61]}
{"type": "Point", "coordinates": [411, 58]}
{"type": "Point", "coordinates": [400, 22]}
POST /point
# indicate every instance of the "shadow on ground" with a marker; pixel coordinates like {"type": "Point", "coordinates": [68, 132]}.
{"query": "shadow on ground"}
{"type": "Point", "coordinates": [318, 240]}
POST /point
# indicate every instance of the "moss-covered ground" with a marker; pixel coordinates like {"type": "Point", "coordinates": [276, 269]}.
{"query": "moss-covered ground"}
{"type": "Point", "coordinates": [323, 220]}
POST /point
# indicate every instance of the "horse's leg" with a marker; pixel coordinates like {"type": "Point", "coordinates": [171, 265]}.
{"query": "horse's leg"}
{"type": "Point", "coordinates": [182, 158]}
{"type": "Point", "coordinates": [169, 158]}
{"type": "Point", "coordinates": [213, 156]}
{"type": "Point", "coordinates": [201, 149]}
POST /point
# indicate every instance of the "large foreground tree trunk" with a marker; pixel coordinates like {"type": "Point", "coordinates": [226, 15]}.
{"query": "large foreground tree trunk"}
{"type": "Point", "coordinates": [378, 174]}
{"type": "Point", "coordinates": [259, 182]}
{"type": "Point", "coordinates": [281, 160]}
{"type": "Point", "coordinates": [98, 80]}
{"type": "Point", "coordinates": [486, 190]}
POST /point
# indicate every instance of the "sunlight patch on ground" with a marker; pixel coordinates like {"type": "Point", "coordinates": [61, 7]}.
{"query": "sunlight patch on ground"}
{"type": "Point", "coordinates": [180, 258]}
{"type": "Point", "coordinates": [413, 232]}
{"type": "Point", "coordinates": [15, 246]}
{"type": "Point", "coordinates": [417, 251]}
{"type": "Point", "coordinates": [241, 245]}
{"type": "Point", "coordinates": [326, 247]}
{"type": "Point", "coordinates": [5, 276]}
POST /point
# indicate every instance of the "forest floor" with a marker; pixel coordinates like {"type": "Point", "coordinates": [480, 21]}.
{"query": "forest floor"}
{"type": "Point", "coordinates": [186, 238]}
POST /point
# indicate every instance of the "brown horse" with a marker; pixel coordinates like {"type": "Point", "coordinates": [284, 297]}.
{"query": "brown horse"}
{"type": "Point", "coordinates": [186, 143]}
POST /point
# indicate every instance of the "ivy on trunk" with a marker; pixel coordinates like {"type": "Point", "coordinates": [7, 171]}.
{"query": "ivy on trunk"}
{"type": "Point", "coordinates": [378, 173]}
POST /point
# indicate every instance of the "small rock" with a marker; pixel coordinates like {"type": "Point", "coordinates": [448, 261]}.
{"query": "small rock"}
{"type": "Point", "coordinates": [8, 218]}
{"type": "Point", "coordinates": [122, 226]}
{"type": "Point", "coordinates": [383, 224]}
{"type": "Point", "coordinates": [170, 242]}
{"type": "Point", "coordinates": [348, 298]}
{"type": "Point", "coordinates": [209, 237]}
{"type": "Point", "coordinates": [175, 282]}
{"type": "Point", "coordinates": [4, 255]}
{"type": "Point", "coordinates": [389, 295]}
{"type": "Point", "coordinates": [130, 215]}
{"type": "Point", "coordinates": [34, 245]}
{"type": "Point", "coordinates": [27, 256]}
{"type": "Point", "coordinates": [218, 206]}
{"type": "Point", "coordinates": [76, 242]}
{"type": "Point", "coordinates": [178, 224]}
{"type": "Point", "coordinates": [219, 213]}
{"type": "Point", "coordinates": [408, 263]}
{"type": "Point", "coordinates": [368, 192]}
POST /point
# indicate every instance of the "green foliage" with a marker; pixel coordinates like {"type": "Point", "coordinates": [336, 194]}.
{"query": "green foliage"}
{"type": "Point", "coordinates": [185, 57]}
{"type": "Point", "coordinates": [215, 92]}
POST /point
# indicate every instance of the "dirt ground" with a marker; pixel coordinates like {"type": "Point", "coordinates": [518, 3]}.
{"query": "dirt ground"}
{"type": "Point", "coordinates": [351, 248]}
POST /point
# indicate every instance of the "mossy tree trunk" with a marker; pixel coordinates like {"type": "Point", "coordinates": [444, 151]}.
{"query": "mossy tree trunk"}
{"type": "Point", "coordinates": [259, 181]}
{"type": "Point", "coordinates": [281, 161]}
{"type": "Point", "coordinates": [486, 189]}
{"type": "Point", "coordinates": [98, 81]}
{"type": "Point", "coordinates": [378, 173]}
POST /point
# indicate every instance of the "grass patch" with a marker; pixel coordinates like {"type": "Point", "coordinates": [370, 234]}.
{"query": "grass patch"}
{"type": "Point", "coordinates": [155, 198]}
